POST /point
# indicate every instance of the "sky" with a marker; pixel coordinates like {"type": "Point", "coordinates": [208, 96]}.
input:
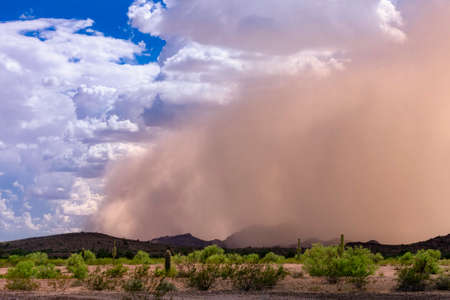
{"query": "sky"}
{"type": "Point", "coordinates": [85, 84]}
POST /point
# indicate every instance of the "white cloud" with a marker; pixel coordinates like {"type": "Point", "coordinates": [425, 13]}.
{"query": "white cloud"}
{"type": "Point", "coordinates": [261, 26]}
{"type": "Point", "coordinates": [390, 20]}
{"type": "Point", "coordinates": [83, 201]}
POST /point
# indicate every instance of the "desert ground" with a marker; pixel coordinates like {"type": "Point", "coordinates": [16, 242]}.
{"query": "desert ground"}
{"type": "Point", "coordinates": [297, 285]}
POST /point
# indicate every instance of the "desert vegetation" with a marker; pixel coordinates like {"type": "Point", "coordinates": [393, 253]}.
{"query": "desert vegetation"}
{"type": "Point", "coordinates": [213, 268]}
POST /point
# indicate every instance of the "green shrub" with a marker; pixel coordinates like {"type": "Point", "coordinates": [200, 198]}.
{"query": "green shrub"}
{"type": "Point", "coordinates": [194, 256]}
{"type": "Point", "coordinates": [179, 259]}
{"type": "Point", "coordinates": [21, 284]}
{"type": "Point", "coordinates": [272, 258]}
{"type": "Point", "coordinates": [88, 256]}
{"type": "Point", "coordinates": [14, 259]}
{"type": "Point", "coordinates": [406, 258]}
{"type": "Point", "coordinates": [210, 251]}
{"type": "Point", "coordinates": [163, 288]}
{"type": "Point", "coordinates": [235, 258]}
{"type": "Point", "coordinates": [378, 258]}
{"type": "Point", "coordinates": [98, 281]}
{"type": "Point", "coordinates": [251, 258]}
{"type": "Point", "coordinates": [47, 271]}
{"type": "Point", "coordinates": [415, 274]}
{"type": "Point", "coordinates": [137, 281]}
{"type": "Point", "coordinates": [217, 259]}
{"type": "Point", "coordinates": [39, 258]}
{"type": "Point", "coordinates": [23, 270]}
{"type": "Point", "coordinates": [226, 271]}
{"type": "Point", "coordinates": [357, 263]}
{"type": "Point", "coordinates": [133, 284]}
{"type": "Point", "coordinates": [141, 257]}
{"type": "Point", "coordinates": [203, 277]}
{"type": "Point", "coordinates": [116, 271]}
{"type": "Point", "coordinates": [77, 266]}
{"type": "Point", "coordinates": [256, 277]}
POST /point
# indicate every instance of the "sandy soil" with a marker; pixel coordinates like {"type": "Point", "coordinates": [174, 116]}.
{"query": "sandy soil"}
{"type": "Point", "coordinates": [298, 285]}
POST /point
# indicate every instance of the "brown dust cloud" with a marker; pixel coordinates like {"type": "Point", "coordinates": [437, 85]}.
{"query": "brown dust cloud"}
{"type": "Point", "coordinates": [364, 151]}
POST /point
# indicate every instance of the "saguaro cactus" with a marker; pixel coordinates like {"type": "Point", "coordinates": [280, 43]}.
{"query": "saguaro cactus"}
{"type": "Point", "coordinates": [167, 263]}
{"type": "Point", "coordinates": [341, 246]}
{"type": "Point", "coordinates": [299, 247]}
{"type": "Point", "coordinates": [114, 251]}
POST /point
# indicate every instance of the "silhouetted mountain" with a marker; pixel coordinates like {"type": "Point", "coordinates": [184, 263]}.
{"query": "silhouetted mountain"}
{"type": "Point", "coordinates": [441, 243]}
{"type": "Point", "coordinates": [283, 235]}
{"type": "Point", "coordinates": [62, 245]}
{"type": "Point", "coordinates": [186, 240]}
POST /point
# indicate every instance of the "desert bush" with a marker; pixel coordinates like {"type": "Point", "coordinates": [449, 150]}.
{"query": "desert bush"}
{"type": "Point", "coordinates": [210, 251]}
{"type": "Point", "coordinates": [413, 276]}
{"type": "Point", "coordinates": [99, 281]}
{"type": "Point", "coordinates": [23, 270]}
{"type": "Point", "coordinates": [256, 277]}
{"type": "Point", "coordinates": [137, 280]}
{"type": "Point", "coordinates": [116, 271]}
{"type": "Point", "coordinates": [39, 258]}
{"type": "Point", "coordinates": [21, 284]}
{"type": "Point", "coordinates": [141, 257]}
{"type": "Point", "coordinates": [163, 288]}
{"type": "Point", "coordinates": [234, 258]}
{"type": "Point", "coordinates": [217, 259]}
{"type": "Point", "coordinates": [14, 259]}
{"type": "Point", "coordinates": [47, 271]}
{"type": "Point", "coordinates": [272, 258]}
{"type": "Point", "coordinates": [251, 258]}
{"type": "Point", "coordinates": [194, 256]}
{"type": "Point", "coordinates": [443, 282]}
{"type": "Point", "coordinates": [77, 266]}
{"type": "Point", "coordinates": [133, 285]}
{"type": "Point", "coordinates": [378, 258]}
{"type": "Point", "coordinates": [203, 277]}
{"type": "Point", "coordinates": [179, 259]}
{"type": "Point", "coordinates": [88, 256]}
{"type": "Point", "coordinates": [357, 263]}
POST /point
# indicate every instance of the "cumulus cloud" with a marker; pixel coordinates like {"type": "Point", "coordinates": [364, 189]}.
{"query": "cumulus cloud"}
{"type": "Point", "coordinates": [59, 93]}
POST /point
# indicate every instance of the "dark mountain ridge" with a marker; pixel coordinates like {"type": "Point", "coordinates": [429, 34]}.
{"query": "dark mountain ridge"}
{"type": "Point", "coordinates": [441, 243]}
{"type": "Point", "coordinates": [62, 245]}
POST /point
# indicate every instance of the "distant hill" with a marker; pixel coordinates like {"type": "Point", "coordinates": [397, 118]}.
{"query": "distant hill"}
{"type": "Point", "coordinates": [62, 245]}
{"type": "Point", "coordinates": [283, 235]}
{"type": "Point", "coordinates": [441, 243]}
{"type": "Point", "coordinates": [186, 240]}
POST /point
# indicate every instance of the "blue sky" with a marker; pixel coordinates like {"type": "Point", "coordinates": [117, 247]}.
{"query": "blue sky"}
{"type": "Point", "coordinates": [110, 18]}
{"type": "Point", "coordinates": [84, 84]}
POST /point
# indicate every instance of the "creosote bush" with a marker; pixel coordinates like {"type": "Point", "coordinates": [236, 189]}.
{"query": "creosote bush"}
{"type": "Point", "coordinates": [117, 271]}
{"type": "Point", "coordinates": [47, 271]}
{"type": "Point", "coordinates": [39, 258]}
{"type": "Point", "coordinates": [88, 256]}
{"type": "Point", "coordinates": [141, 257]}
{"type": "Point", "coordinates": [256, 276]}
{"type": "Point", "coordinates": [357, 263]}
{"type": "Point", "coordinates": [77, 266]}
{"type": "Point", "coordinates": [19, 277]}
{"type": "Point", "coordinates": [21, 284]}
{"type": "Point", "coordinates": [203, 277]}
{"type": "Point", "coordinates": [99, 281]}
{"type": "Point", "coordinates": [272, 258]}
{"type": "Point", "coordinates": [415, 273]}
